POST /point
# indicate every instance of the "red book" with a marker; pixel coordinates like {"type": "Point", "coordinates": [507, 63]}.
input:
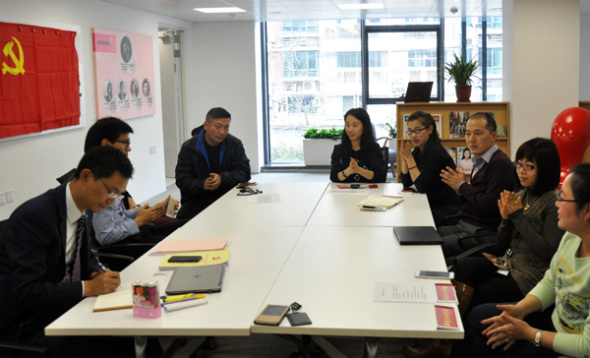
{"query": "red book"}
{"type": "Point", "coordinates": [445, 317]}
{"type": "Point", "coordinates": [445, 292]}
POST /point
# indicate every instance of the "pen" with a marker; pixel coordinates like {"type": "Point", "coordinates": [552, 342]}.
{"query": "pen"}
{"type": "Point", "coordinates": [181, 297]}
{"type": "Point", "coordinates": [103, 267]}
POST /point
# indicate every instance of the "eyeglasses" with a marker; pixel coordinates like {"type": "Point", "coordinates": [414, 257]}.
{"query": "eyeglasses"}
{"type": "Point", "coordinates": [526, 167]}
{"type": "Point", "coordinates": [111, 195]}
{"type": "Point", "coordinates": [559, 198]}
{"type": "Point", "coordinates": [415, 131]}
{"type": "Point", "coordinates": [126, 142]}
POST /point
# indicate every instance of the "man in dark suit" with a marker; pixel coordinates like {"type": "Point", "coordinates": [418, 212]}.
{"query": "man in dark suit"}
{"type": "Point", "coordinates": [45, 263]}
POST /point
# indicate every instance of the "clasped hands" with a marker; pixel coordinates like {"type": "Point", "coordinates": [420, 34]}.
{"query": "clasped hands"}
{"type": "Point", "coordinates": [509, 203]}
{"type": "Point", "coordinates": [507, 328]}
{"type": "Point", "coordinates": [212, 182]}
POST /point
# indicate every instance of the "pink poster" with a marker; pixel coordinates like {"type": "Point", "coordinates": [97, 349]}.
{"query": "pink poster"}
{"type": "Point", "coordinates": [124, 69]}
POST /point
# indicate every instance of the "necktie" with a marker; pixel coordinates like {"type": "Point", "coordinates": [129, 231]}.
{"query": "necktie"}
{"type": "Point", "coordinates": [80, 233]}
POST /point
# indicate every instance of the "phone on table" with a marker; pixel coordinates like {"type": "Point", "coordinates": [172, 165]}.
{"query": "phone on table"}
{"type": "Point", "coordinates": [272, 315]}
{"type": "Point", "coordinates": [181, 259]}
{"type": "Point", "coordinates": [355, 186]}
{"type": "Point", "coordinates": [435, 274]}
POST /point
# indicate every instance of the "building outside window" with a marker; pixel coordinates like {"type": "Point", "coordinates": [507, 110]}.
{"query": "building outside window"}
{"type": "Point", "coordinates": [315, 71]}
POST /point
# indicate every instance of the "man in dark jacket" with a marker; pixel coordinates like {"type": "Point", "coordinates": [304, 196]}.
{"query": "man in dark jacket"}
{"type": "Point", "coordinates": [209, 164]}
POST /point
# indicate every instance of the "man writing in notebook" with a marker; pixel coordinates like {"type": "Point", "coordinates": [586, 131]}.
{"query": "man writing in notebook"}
{"type": "Point", "coordinates": [210, 164]}
{"type": "Point", "coordinates": [45, 263]}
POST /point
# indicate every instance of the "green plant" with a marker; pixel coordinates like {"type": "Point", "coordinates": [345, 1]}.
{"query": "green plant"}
{"type": "Point", "coordinates": [461, 71]}
{"type": "Point", "coordinates": [392, 130]}
{"type": "Point", "coordinates": [314, 133]}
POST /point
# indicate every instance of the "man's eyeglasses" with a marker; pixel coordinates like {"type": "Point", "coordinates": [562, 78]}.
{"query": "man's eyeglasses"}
{"type": "Point", "coordinates": [111, 195]}
{"type": "Point", "coordinates": [560, 198]}
{"type": "Point", "coordinates": [126, 142]}
{"type": "Point", "coordinates": [526, 167]}
{"type": "Point", "coordinates": [415, 131]}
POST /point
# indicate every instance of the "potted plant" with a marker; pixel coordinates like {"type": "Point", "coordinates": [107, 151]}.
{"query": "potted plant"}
{"type": "Point", "coordinates": [318, 145]}
{"type": "Point", "coordinates": [461, 72]}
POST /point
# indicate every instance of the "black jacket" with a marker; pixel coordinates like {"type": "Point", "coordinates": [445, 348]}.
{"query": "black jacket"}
{"type": "Point", "coordinates": [192, 169]}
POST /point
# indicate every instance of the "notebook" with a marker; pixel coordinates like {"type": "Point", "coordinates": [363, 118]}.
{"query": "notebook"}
{"type": "Point", "coordinates": [418, 92]}
{"type": "Point", "coordinates": [417, 235]}
{"type": "Point", "coordinates": [200, 279]}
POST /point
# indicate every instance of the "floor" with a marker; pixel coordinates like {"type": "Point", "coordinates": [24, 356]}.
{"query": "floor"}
{"type": "Point", "coordinates": [271, 346]}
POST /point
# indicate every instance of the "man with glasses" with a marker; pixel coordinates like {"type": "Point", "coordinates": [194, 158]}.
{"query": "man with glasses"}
{"type": "Point", "coordinates": [123, 221]}
{"type": "Point", "coordinates": [46, 266]}
{"type": "Point", "coordinates": [210, 164]}
{"type": "Point", "coordinates": [492, 173]}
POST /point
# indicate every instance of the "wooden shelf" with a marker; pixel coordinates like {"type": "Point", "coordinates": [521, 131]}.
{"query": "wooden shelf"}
{"type": "Point", "coordinates": [501, 114]}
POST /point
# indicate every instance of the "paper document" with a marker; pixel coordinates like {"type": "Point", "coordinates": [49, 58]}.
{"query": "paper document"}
{"type": "Point", "coordinates": [207, 258]}
{"type": "Point", "coordinates": [404, 292]}
{"type": "Point", "coordinates": [376, 200]}
{"type": "Point", "coordinates": [180, 245]}
{"type": "Point", "coordinates": [117, 300]}
{"type": "Point", "coordinates": [264, 198]}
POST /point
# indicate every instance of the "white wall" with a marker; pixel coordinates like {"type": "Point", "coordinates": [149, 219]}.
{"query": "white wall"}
{"type": "Point", "coordinates": [226, 60]}
{"type": "Point", "coordinates": [30, 165]}
{"type": "Point", "coordinates": [543, 56]}
{"type": "Point", "coordinates": [585, 58]}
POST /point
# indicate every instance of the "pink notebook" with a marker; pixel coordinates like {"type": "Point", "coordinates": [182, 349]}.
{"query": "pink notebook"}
{"type": "Point", "coordinates": [179, 245]}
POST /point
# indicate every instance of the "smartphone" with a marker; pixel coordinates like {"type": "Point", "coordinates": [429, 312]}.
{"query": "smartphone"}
{"type": "Point", "coordinates": [435, 274]}
{"type": "Point", "coordinates": [185, 259]}
{"type": "Point", "coordinates": [355, 186]}
{"type": "Point", "coordinates": [272, 315]}
{"type": "Point", "coordinates": [372, 208]}
{"type": "Point", "coordinates": [171, 208]}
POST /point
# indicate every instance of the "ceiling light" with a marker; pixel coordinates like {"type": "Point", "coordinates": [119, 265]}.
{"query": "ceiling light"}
{"type": "Point", "coordinates": [367, 6]}
{"type": "Point", "coordinates": [219, 10]}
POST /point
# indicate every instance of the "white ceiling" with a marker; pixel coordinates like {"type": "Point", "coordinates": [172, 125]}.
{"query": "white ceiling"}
{"type": "Point", "coordinates": [280, 10]}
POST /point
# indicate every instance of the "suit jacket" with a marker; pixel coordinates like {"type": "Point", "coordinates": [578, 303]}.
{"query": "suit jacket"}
{"type": "Point", "coordinates": [32, 262]}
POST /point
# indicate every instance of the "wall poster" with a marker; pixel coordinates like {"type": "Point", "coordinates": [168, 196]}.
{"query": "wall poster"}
{"type": "Point", "coordinates": [124, 71]}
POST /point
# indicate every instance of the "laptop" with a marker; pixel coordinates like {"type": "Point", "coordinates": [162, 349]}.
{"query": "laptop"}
{"type": "Point", "coordinates": [417, 235]}
{"type": "Point", "coordinates": [199, 279]}
{"type": "Point", "coordinates": [418, 92]}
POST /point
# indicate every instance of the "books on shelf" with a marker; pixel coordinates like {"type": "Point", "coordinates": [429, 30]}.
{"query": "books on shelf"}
{"type": "Point", "coordinates": [464, 160]}
{"type": "Point", "coordinates": [453, 153]}
{"type": "Point", "coordinates": [457, 123]}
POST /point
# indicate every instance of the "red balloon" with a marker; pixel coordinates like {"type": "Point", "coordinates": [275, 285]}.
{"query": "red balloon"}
{"type": "Point", "coordinates": [571, 134]}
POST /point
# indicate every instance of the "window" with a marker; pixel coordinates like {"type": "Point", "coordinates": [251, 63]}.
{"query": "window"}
{"type": "Point", "coordinates": [301, 64]}
{"type": "Point", "coordinates": [422, 58]}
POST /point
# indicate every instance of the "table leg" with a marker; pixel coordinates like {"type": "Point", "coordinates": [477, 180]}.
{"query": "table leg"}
{"type": "Point", "coordinates": [371, 347]}
{"type": "Point", "coordinates": [140, 346]}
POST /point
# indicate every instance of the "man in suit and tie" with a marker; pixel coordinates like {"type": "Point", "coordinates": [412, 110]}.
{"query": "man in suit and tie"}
{"type": "Point", "coordinates": [46, 266]}
{"type": "Point", "coordinates": [492, 173]}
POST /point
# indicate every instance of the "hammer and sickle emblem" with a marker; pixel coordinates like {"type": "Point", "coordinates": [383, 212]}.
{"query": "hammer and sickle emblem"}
{"type": "Point", "coordinates": [18, 62]}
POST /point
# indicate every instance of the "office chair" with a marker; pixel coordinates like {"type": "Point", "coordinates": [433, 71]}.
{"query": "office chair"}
{"type": "Point", "coordinates": [389, 154]}
{"type": "Point", "coordinates": [475, 250]}
{"type": "Point", "coordinates": [9, 347]}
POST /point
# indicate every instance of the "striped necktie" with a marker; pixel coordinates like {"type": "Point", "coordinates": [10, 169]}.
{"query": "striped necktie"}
{"type": "Point", "coordinates": [80, 233]}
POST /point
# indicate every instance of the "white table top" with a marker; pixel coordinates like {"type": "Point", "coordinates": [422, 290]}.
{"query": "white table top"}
{"type": "Point", "coordinates": [338, 207]}
{"type": "Point", "coordinates": [332, 273]}
{"type": "Point", "coordinates": [256, 256]}
{"type": "Point", "coordinates": [296, 202]}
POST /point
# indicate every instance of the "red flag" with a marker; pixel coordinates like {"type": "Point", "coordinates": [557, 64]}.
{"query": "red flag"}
{"type": "Point", "coordinates": [39, 79]}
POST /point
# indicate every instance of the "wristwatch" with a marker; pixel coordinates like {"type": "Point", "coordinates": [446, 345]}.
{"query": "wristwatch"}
{"type": "Point", "coordinates": [537, 340]}
{"type": "Point", "coordinates": [344, 175]}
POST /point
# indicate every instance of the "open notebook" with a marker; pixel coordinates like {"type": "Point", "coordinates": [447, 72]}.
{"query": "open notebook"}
{"type": "Point", "coordinates": [383, 201]}
{"type": "Point", "coordinates": [117, 300]}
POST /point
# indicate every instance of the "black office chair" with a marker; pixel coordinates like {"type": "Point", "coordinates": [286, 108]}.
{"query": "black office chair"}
{"type": "Point", "coordinates": [7, 348]}
{"type": "Point", "coordinates": [389, 154]}
{"type": "Point", "coordinates": [489, 247]}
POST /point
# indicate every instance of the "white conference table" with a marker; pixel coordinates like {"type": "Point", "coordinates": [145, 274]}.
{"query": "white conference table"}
{"type": "Point", "coordinates": [280, 204]}
{"type": "Point", "coordinates": [284, 247]}
{"type": "Point", "coordinates": [257, 254]}
{"type": "Point", "coordinates": [338, 207]}
{"type": "Point", "coordinates": [332, 273]}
